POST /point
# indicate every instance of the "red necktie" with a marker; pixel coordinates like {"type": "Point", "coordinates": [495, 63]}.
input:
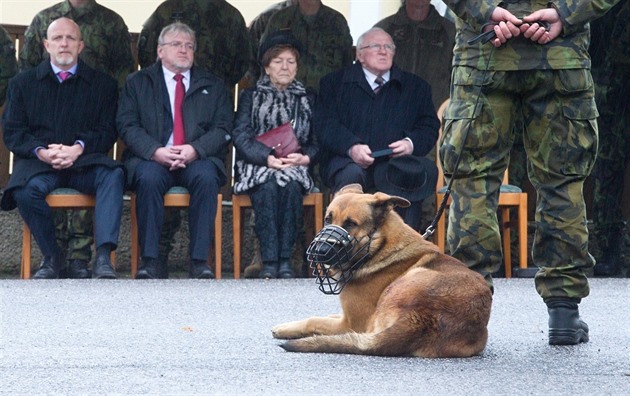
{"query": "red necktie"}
{"type": "Point", "coordinates": [63, 75]}
{"type": "Point", "coordinates": [178, 122]}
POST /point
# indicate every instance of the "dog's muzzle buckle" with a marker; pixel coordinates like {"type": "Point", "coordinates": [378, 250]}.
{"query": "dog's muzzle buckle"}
{"type": "Point", "coordinates": [334, 256]}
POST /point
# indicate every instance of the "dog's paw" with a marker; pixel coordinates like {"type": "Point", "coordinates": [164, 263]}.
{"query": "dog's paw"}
{"type": "Point", "coordinates": [285, 331]}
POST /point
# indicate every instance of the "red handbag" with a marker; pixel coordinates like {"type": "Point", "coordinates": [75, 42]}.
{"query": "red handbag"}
{"type": "Point", "coordinates": [282, 138]}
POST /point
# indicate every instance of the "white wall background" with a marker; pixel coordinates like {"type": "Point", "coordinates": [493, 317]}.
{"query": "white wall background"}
{"type": "Point", "coordinates": [361, 14]}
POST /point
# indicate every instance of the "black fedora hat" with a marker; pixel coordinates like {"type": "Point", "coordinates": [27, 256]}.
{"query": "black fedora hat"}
{"type": "Point", "coordinates": [410, 177]}
{"type": "Point", "coordinates": [279, 37]}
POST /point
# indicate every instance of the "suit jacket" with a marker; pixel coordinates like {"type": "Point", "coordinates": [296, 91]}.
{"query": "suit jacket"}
{"type": "Point", "coordinates": [145, 122]}
{"type": "Point", "coordinates": [41, 111]}
{"type": "Point", "coordinates": [348, 112]}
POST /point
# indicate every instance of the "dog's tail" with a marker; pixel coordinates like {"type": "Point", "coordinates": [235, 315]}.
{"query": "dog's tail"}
{"type": "Point", "coordinates": [385, 343]}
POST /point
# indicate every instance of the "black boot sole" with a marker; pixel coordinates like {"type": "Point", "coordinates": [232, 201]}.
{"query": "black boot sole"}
{"type": "Point", "coordinates": [567, 336]}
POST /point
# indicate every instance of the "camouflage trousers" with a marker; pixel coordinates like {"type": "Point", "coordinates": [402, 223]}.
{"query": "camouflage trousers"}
{"type": "Point", "coordinates": [74, 231]}
{"type": "Point", "coordinates": [558, 112]}
{"type": "Point", "coordinates": [612, 158]}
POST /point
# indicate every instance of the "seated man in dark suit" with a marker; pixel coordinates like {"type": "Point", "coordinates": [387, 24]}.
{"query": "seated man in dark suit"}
{"type": "Point", "coordinates": [60, 123]}
{"type": "Point", "coordinates": [175, 120]}
{"type": "Point", "coordinates": [373, 106]}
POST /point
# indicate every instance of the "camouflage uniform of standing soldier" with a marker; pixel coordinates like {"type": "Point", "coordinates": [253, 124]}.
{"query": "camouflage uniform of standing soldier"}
{"type": "Point", "coordinates": [614, 150]}
{"type": "Point", "coordinates": [8, 63]}
{"type": "Point", "coordinates": [325, 35]}
{"type": "Point", "coordinates": [107, 49]}
{"type": "Point", "coordinates": [543, 78]}
{"type": "Point", "coordinates": [222, 41]}
{"type": "Point", "coordinates": [256, 29]}
{"type": "Point", "coordinates": [223, 48]}
{"type": "Point", "coordinates": [424, 46]}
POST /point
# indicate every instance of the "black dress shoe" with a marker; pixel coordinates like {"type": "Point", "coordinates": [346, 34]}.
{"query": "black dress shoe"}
{"type": "Point", "coordinates": [149, 269]}
{"type": "Point", "coordinates": [285, 271]}
{"type": "Point", "coordinates": [269, 270]}
{"type": "Point", "coordinates": [103, 267]}
{"type": "Point", "coordinates": [199, 270]}
{"type": "Point", "coordinates": [78, 269]}
{"type": "Point", "coordinates": [565, 325]}
{"type": "Point", "coordinates": [50, 267]}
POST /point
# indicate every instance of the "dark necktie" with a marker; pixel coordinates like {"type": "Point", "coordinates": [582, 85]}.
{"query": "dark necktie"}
{"type": "Point", "coordinates": [63, 75]}
{"type": "Point", "coordinates": [379, 81]}
{"type": "Point", "coordinates": [178, 121]}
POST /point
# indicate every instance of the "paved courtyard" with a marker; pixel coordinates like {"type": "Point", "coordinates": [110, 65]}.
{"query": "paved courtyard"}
{"type": "Point", "coordinates": [188, 337]}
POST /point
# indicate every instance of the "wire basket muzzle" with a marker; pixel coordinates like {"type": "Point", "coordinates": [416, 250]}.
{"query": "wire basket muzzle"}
{"type": "Point", "coordinates": [334, 255]}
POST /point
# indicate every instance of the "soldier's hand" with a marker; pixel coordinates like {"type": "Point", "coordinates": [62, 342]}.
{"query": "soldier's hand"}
{"type": "Point", "coordinates": [507, 26]}
{"type": "Point", "coordinates": [536, 32]}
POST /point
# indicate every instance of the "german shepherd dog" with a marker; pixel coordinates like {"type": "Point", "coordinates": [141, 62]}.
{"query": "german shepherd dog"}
{"type": "Point", "coordinates": [399, 295]}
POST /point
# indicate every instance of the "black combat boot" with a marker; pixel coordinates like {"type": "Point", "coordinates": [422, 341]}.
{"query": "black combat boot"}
{"type": "Point", "coordinates": [565, 325]}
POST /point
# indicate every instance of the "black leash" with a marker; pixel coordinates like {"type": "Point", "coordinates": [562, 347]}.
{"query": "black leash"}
{"type": "Point", "coordinates": [484, 37]}
{"type": "Point", "coordinates": [431, 228]}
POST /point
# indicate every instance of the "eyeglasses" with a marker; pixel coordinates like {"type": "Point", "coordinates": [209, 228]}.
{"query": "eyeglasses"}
{"type": "Point", "coordinates": [180, 45]}
{"type": "Point", "coordinates": [377, 47]}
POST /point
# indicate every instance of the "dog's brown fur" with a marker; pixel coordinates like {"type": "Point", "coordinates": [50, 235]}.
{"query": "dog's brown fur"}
{"type": "Point", "coordinates": [408, 299]}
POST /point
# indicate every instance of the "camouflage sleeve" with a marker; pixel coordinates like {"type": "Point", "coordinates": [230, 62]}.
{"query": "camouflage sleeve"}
{"type": "Point", "coordinates": [148, 40]}
{"type": "Point", "coordinates": [473, 12]}
{"type": "Point", "coordinates": [575, 13]}
{"type": "Point", "coordinates": [346, 42]}
{"type": "Point", "coordinates": [121, 58]}
{"type": "Point", "coordinates": [8, 62]}
{"type": "Point", "coordinates": [243, 55]}
{"type": "Point", "coordinates": [32, 47]}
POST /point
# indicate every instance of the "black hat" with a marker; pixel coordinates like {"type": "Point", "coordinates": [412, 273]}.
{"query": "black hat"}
{"type": "Point", "coordinates": [410, 177]}
{"type": "Point", "coordinates": [279, 37]}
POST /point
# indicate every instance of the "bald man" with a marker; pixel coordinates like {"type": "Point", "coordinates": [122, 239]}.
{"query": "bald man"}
{"type": "Point", "coordinates": [59, 123]}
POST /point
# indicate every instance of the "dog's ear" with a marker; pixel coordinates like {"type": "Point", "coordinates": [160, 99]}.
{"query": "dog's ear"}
{"type": "Point", "coordinates": [384, 204]}
{"type": "Point", "coordinates": [391, 200]}
{"type": "Point", "coordinates": [350, 188]}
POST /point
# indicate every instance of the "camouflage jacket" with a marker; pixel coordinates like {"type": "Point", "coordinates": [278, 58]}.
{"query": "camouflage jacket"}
{"type": "Point", "coordinates": [256, 30]}
{"type": "Point", "coordinates": [8, 63]}
{"type": "Point", "coordinates": [106, 38]}
{"type": "Point", "coordinates": [424, 48]}
{"type": "Point", "coordinates": [619, 53]}
{"type": "Point", "coordinates": [325, 37]}
{"type": "Point", "coordinates": [567, 51]}
{"type": "Point", "coordinates": [258, 25]}
{"type": "Point", "coordinates": [222, 41]}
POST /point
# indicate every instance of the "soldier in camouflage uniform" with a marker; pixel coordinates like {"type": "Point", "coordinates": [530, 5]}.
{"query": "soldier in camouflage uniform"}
{"type": "Point", "coordinates": [614, 150]}
{"type": "Point", "coordinates": [424, 46]}
{"type": "Point", "coordinates": [324, 34]}
{"type": "Point", "coordinates": [107, 49]}
{"type": "Point", "coordinates": [543, 78]}
{"type": "Point", "coordinates": [256, 30]}
{"type": "Point", "coordinates": [223, 45]}
{"type": "Point", "coordinates": [8, 62]}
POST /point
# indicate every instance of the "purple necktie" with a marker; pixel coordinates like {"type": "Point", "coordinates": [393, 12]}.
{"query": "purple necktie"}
{"type": "Point", "coordinates": [63, 75]}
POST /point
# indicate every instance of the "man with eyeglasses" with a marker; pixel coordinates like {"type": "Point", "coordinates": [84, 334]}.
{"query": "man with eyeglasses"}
{"type": "Point", "coordinates": [175, 120]}
{"type": "Point", "coordinates": [372, 106]}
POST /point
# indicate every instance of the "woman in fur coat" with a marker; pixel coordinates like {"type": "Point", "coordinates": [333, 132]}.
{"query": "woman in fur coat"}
{"type": "Point", "coordinates": [275, 185]}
